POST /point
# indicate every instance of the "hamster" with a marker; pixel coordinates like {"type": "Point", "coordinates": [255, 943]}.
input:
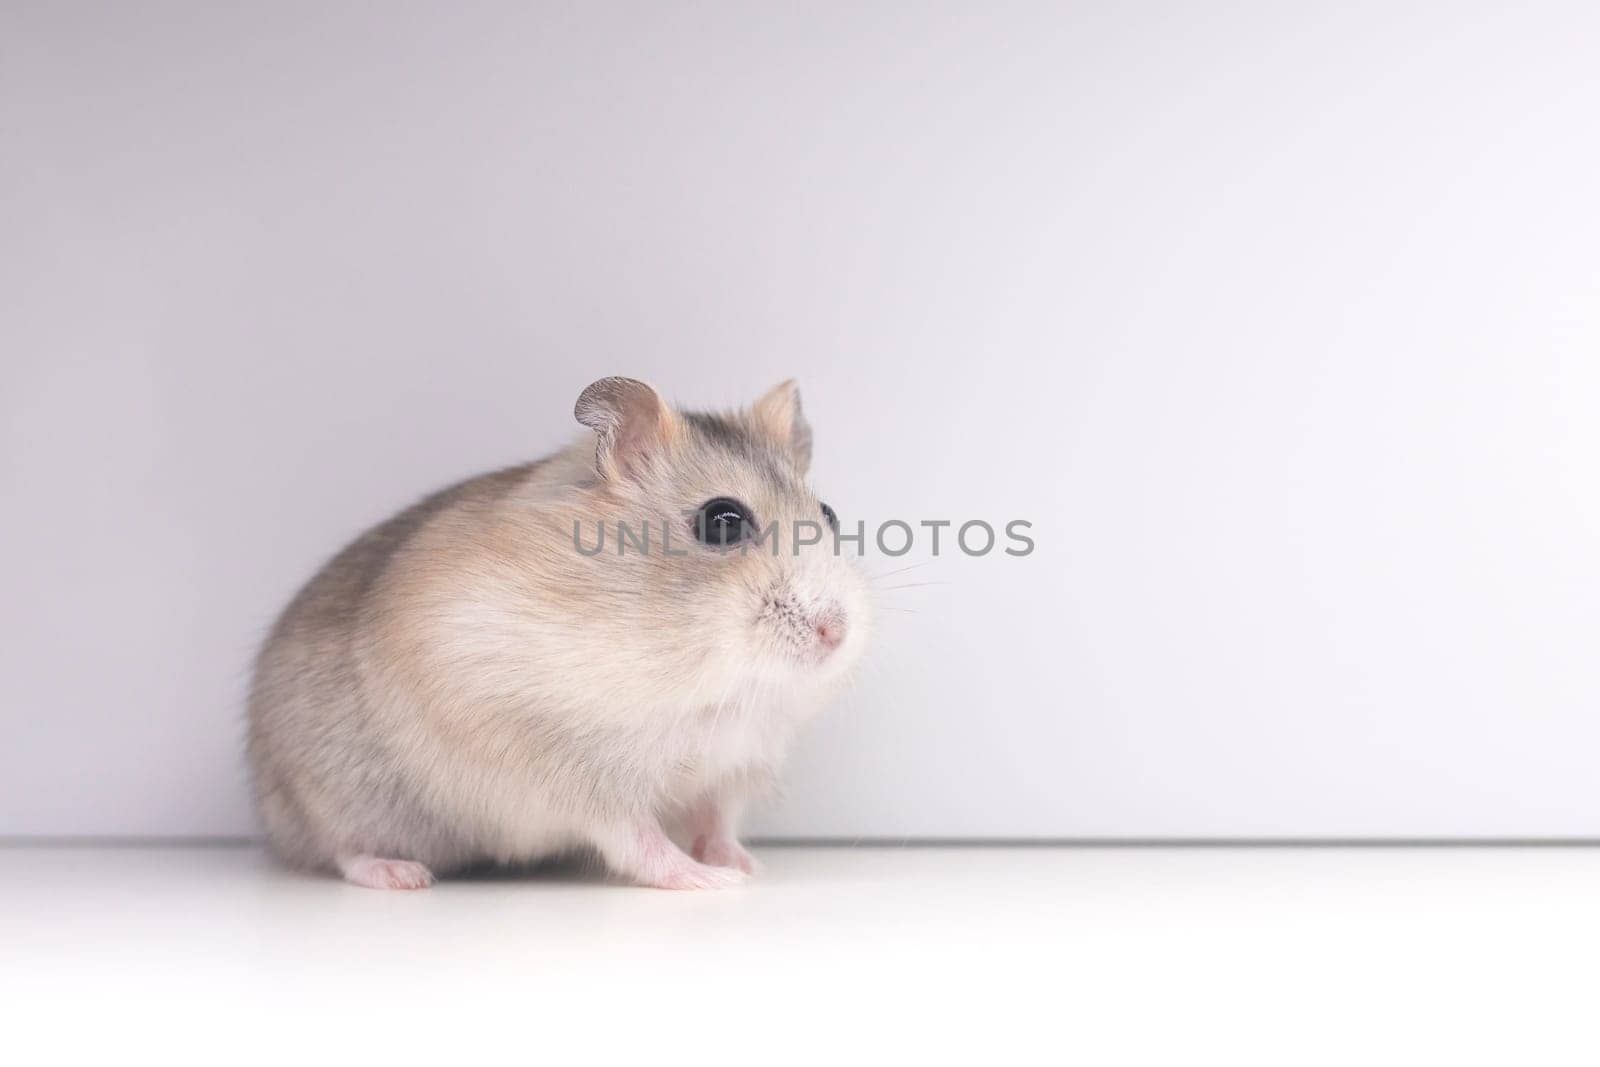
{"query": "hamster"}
{"type": "Point", "coordinates": [473, 682]}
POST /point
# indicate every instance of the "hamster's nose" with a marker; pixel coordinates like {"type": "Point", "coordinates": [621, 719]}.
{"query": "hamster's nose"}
{"type": "Point", "coordinates": [831, 630]}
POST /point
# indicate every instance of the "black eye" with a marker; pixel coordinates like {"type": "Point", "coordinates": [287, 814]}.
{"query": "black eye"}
{"type": "Point", "coordinates": [723, 521]}
{"type": "Point", "coordinates": [830, 517]}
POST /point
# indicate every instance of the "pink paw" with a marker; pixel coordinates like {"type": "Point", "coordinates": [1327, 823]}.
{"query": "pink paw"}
{"type": "Point", "coordinates": [699, 876]}
{"type": "Point", "coordinates": [375, 873]}
{"type": "Point", "coordinates": [727, 853]}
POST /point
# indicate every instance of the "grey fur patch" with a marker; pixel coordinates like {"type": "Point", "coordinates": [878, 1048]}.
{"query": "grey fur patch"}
{"type": "Point", "coordinates": [731, 434]}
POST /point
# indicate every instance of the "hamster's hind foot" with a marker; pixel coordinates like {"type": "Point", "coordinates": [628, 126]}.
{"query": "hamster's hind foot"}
{"type": "Point", "coordinates": [376, 873]}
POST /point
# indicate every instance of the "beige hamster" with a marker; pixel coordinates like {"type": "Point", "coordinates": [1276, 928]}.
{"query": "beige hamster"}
{"type": "Point", "coordinates": [471, 682]}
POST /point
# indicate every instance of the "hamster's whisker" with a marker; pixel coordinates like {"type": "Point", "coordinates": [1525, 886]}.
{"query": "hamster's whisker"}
{"type": "Point", "coordinates": [900, 570]}
{"type": "Point", "coordinates": [908, 585]}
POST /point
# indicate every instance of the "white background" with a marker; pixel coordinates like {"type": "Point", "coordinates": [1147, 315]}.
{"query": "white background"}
{"type": "Point", "coordinates": [1278, 322]}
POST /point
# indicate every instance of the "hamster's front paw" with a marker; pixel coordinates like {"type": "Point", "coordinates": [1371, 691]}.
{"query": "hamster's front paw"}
{"type": "Point", "coordinates": [376, 873]}
{"type": "Point", "coordinates": [644, 855]}
{"type": "Point", "coordinates": [699, 876]}
{"type": "Point", "coordinates": [726, 852]}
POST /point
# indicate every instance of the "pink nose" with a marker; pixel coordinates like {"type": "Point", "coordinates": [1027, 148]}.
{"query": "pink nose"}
{"type": "Point", "coordinates": [831, 631]}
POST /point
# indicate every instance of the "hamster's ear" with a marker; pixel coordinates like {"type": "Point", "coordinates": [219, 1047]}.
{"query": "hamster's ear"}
{"type": "Point", "coordinates": [778, 415]}
{"type": "Point", "coordinates": [635, 425]}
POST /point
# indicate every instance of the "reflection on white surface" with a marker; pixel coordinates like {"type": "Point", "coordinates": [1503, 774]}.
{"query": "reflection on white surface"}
{"type": "Point", "coordinates": [1091, 955]}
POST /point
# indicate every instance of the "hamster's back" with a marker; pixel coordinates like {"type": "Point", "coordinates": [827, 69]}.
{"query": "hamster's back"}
{"type": "Point", "coordinates": [320, 773]}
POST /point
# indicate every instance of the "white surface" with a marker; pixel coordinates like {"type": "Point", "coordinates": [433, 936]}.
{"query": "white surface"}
{"type": "Point", "coordinates": [1102, 956]}
{"type": "Point", "coordinates": [1278, 321]}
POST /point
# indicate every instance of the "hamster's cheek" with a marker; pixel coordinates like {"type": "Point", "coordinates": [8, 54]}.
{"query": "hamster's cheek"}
{"type": "Point", "coordinates": [726, 595]}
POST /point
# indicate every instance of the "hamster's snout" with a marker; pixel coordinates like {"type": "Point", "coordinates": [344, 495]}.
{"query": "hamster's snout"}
{"type": "Point", "coordinates": [810, 632]}
{"type": "Point", "coordinates": [831, 629]}
{"type": "Point", "coordinates": [812, 618]}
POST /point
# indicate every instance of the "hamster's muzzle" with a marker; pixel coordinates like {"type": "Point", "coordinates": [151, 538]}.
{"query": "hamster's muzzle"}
{"type": "Point", "coordinates": [832, 628]}
{"type": "Point", "coordinates": [810, 633]}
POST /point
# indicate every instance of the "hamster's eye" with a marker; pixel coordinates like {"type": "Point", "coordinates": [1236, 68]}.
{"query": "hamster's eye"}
{"type": "Point", "coordinates": [723, 521]}
{"type": "Point", "coordinates": [830, 517]}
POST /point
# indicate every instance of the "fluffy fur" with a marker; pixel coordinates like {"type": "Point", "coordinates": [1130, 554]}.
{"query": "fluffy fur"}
{"type": "Point", "coordinates": [461, 685]}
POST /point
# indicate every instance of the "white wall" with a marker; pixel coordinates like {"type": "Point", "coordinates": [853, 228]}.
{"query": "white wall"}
{"type": "Point", "coordinates": [1280, 323]}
